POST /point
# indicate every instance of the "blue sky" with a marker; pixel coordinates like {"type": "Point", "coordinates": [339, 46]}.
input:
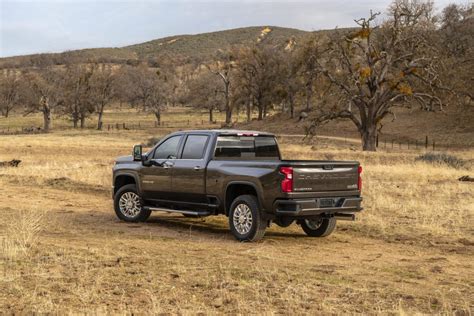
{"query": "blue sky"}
{"type": "Point", "coordinates": [28, 27]}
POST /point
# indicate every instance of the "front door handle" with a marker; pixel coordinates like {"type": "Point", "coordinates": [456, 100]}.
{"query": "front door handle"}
{"type": "Point", "coordinates": [168, 165]}
{"type": "Point", "coordinates": [197, 168]}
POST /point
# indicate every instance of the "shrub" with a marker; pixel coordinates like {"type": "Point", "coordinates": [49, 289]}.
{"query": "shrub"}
{"type": "Point", "coordinates": [150, 142]}
{"type": "Point", "coordinates": [441, 158]}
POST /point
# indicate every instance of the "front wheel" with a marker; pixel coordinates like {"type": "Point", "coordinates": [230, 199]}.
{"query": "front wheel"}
{"type": "Point", "coordinates": [318, 227]}
{"type": "Point", "coordinates": [128, 205]}
{"type": "Point", "coordinates": [246, 221]}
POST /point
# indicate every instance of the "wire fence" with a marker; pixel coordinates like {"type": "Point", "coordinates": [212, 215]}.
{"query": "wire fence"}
{"type": "Point", "coordinates": [117, 126]}
{"type": "Point", "coordinates": [427, 143]}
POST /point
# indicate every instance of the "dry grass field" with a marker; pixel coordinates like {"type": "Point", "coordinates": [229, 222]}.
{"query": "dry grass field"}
{"type": "Point", "coordinates": [63, 250]}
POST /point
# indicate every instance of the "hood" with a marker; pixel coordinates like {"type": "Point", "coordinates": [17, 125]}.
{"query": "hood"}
{"type": "Point", "coordinates": [124, 159]}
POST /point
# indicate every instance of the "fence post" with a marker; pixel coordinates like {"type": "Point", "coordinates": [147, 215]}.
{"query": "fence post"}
{"type": "Point", "coordinates": [117, 126]}
{"type": "Point", "coordinates": [433, 145]}
{"type": "Point", "coordinates": [108, 127]}
{"type": "Point", "coordinates": [392, 143]}
{"type": "Point", "coordinates": [377, 141]}
{"type": "Point", "coordinates": [416, 144]}
{"type": "Point", "coordinates": [426, 142]}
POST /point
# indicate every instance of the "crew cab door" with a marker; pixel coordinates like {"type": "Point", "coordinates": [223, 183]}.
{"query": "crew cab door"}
{"type": "Point", "coordinates": [189, 171]}
{"type": "Point", "coordinates": [156, 181]}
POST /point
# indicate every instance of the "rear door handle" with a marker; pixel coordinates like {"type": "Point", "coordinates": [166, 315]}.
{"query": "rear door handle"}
{"type": "Point", "coordinates": [197, 168]}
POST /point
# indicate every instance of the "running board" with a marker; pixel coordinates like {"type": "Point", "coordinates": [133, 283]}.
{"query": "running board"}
{"type": "Point", "coordinates": [170, 210]}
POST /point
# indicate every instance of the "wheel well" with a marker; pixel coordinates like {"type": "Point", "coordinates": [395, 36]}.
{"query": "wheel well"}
{"type": "Point", "coordinates": [235, 190]}
{"type": "Point", "coordinates": [120, 181]}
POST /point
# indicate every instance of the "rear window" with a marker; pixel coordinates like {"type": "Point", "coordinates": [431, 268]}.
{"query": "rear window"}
{"type": "Point", "coordinates": [236, 147]}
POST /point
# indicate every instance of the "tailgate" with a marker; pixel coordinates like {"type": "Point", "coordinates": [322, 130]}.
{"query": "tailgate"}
{"type": "Point", "coordinates": [322, 176]}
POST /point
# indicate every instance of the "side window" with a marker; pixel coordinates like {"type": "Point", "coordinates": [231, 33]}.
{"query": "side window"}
{"type": "Point", "coordinates": [194, 147]}
{"type": "Point", "coordinates": [168, 149]}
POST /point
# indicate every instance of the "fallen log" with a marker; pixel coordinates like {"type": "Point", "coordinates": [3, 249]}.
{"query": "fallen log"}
{"type": "Point", "coordinates": [466, 178]}
{"type": "Point", "coordinates": [11, 163]}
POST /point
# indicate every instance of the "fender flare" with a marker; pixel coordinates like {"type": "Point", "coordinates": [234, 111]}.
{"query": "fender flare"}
{"type": "Point", "coordinates": [249, 183]}
{"type": "Point", "coordinates": [129, 174]}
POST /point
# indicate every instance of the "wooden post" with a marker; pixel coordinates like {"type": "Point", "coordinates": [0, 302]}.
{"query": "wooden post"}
{"type": "Point", "coordinates": [416, 144]}
{"type": "Point", "coordinates": [123, 125]}
{"type": "Point", "coordinates": [392, 143]}
{"type": "Point", "coordinates": [426, 142]}
{"type": "Point", "coordinates": [377, 141]}
{"type": "Point", "coordinates": [433, 145]}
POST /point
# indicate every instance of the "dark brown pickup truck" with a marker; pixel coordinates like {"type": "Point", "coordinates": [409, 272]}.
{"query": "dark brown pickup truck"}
{"type": "Point", "coordinates": [239, 174]}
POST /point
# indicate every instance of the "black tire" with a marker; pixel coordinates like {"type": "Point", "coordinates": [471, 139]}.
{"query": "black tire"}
{"type": "Point", "coordinates": [322, 229]}
{"type": "Point", "coordinates": [258, 222]}
{"type": "Point", "coordinates": [141, 214]}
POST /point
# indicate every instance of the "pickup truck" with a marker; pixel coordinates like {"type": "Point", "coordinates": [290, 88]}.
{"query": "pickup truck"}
{"type": "Point", "coordinates": [239, 174]}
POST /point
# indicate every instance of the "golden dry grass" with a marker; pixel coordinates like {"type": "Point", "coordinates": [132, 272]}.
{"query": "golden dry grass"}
{"type": "Point", "coordinates": [410, 251]}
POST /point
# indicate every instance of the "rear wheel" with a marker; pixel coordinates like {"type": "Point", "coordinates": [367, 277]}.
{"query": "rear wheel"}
{"type": "Point", "coordinates": [318, 227]}
{"type": "Point", "coordinates": [128, 205]}
{"type": "Point", "coordinates": [246, 220]}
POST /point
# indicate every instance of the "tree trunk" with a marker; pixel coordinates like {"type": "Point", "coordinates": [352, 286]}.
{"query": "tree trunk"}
{"type": "Point", "coordinates": [260, 113]}
{"type": "Point", "coordinates": [228, 109]}
{"type": "Point", "coordinates": [292, 107]}
{"type": "Point", "coordinates": [158, 117]}
{"type": "Point", "coordinates": [83, 121]}
{"type": "Point", "coordinates": [369, 138]}
{"type": "Point", "coordinates": [47, 118]}
{"type": "Point", "coordinates": [249, 113]}
{"type": "Point", "coordinates": [211, 117]}
{"type": "Point", "coordinates": [100, 123]}
{"type": "Point", "coordinates": [309, 95]}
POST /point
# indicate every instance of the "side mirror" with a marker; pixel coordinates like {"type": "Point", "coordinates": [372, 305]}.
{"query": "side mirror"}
{"type": "Point", "coordinates": [137, 153]}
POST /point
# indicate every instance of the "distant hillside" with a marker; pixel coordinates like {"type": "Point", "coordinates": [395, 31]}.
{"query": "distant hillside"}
{"type": "Point", "coordinates": [204, 45]}
{"type": "Point", "coordinates": [199, 47]}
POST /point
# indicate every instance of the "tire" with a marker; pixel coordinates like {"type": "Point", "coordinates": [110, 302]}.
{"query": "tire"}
{"type": "Point", "coordinates": [323, 228]}
{"type": "Point", "coordinates": [241, 208]}
{"type": "Point", "coordinates": [133, 212]}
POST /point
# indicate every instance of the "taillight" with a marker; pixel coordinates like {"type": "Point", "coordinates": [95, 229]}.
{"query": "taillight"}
{"type": "Point", "coordinates": [287, 183]}
{"type": "Point", "coordinates": [359, 182]}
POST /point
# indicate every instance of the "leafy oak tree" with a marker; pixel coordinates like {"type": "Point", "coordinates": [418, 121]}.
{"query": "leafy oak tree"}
{"type": "Point", "coordinates": [382, 66]}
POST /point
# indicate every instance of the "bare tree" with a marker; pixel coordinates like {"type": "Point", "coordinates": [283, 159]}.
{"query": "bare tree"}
{"type": "Point", "coordinates": [78, 94]}
{"type": "Point", "coordinates": [457, 44]}
{"type": "Point", "coordinates": [103, 84]}
{"type": "Point", "coordinates": [42, 94]}
{"type": "Point", "coordinates": [222, 68]}
{"type": "Point", "coordinates": [260, 77]}
{"type": "Point", "coordinates": [377, 68]}
{"type": "Point", "coordinates": [10, 86]}
{"type": "Point", "coordinates": [204, 93]}
{"type": "Point", "coordinates": [145, 88]}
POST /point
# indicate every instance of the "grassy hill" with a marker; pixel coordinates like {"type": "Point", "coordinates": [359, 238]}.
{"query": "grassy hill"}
{"type": "Point", "coordinates": [198, 47]}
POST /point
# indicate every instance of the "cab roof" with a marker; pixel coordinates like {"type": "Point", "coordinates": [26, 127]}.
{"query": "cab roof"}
{"type": "Point", "coordinates": [226, 132]}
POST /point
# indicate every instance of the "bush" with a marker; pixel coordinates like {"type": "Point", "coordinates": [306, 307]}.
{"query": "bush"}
{"type": "Point", "coordinates": [150, 142]}
{"type": "Point", "coordinates": [439, 158]}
